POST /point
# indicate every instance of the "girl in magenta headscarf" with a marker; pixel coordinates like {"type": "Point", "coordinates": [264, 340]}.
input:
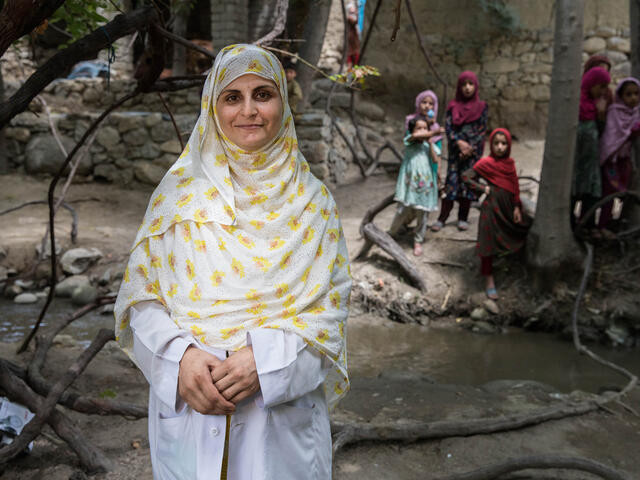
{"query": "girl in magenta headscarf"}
{"type": "Point", "coordinates": [587, 183]}
{"type": "Point", "coordinates": [623, 125]}
{"type": "Point", "coordinates": [466, 126]}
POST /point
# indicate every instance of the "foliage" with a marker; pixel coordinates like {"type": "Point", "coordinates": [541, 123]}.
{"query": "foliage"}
{"type": "Point", "coordinates": [500, 16]}
{"type": "Point", "coordinates": [108, 393]}
{"type": "Point", "coordinates": [356, 75]}
{"type": "Point", "coordinates": [81, 16]}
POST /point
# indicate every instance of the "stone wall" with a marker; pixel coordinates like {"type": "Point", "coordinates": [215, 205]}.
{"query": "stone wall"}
{"type": "Point", "coordinates": [138, 146]}
{"type": "Point", "coordinates": [514, 69]}
{"type": "Point", "coordinates": [229, 22]}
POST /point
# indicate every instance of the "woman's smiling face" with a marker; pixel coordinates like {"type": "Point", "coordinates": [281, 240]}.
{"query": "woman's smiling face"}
{"type": "Point", "coordinates": [250, 111]}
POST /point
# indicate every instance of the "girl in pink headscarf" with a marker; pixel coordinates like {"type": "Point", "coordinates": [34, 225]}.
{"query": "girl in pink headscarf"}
{"type": "Point", "coordinates": [587, 182]}
{"type": "Point", "coordinates": [466, 127]}
{"type": "Point", "coordinates": [623, 125]}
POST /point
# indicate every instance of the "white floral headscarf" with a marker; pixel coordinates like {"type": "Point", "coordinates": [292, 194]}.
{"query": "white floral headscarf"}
{"type": "Point", "coordinates": [234, 241]}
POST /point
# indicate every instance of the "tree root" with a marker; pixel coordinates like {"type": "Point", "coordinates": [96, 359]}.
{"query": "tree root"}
{"type": "Point", "coordinates": [537, 462]}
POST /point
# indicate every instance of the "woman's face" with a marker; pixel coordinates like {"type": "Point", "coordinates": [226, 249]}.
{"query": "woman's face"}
{"type": "Point", "coordinates": [468, 88]}
{"type": "Point", "coordinates": [630, 94]}
{"type": "Point", "coordinates": [250, 111]}
{"type": "Point", "coordinates": [599, 90]}
{"type": "Point", "coordinates": [425, 105]}
{"type": "Point", "coordinates": [499, 145]}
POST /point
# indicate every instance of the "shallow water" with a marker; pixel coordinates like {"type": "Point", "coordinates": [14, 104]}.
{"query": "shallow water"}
{"type": "Point", "coordinates": [444, 354]}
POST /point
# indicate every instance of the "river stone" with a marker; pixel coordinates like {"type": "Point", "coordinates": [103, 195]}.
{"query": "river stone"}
{"type": "Point", "coordinates": [112, 174]}
{"type": "Point", "coordinates": [83, 295]}
{"type": "Point", "coordinates": [105, 278]}
{"type": "Point", "coordinates": [77, 260]}
{"type": "Point", "coordinates": [315, 152]}
{"type": "Point", "coordinates": [25, 298]}
{"type": "Point", "coordinates": [12, 291]}
{"type": "Point", "coordinates": [65, 340]}
{"type": "Point", "coordinates": [483, 327]}
{"type": "Point", "coordinates": [43, 155]}
{"type": "Point", "coordinates": [66, 287]}
{"type": "Point", "coordinates": [107, 309]}
{"type": "Point", "coordinates": [479, 314]}
{"type": "Point", "coordinates": [319, 170]}
{"type": "Point", "coordinates": [148, 172]}
{"type": "Point", "coordinates": [3, 274]}
{"type": "Point", "coordinates": [313, 118]}
{"type": "Point", "coordinates": [621, 70]}
{"type": "Point", "coordinates": [171, 146]}
{"type": "Point", "coordinates": [501, 65]}
{"type": "Point", "coordinates": [618, 334]}
{"type": "Point", "coordinates": [26, 284]}
{"type": "Point", "coordinates": [491, 306]}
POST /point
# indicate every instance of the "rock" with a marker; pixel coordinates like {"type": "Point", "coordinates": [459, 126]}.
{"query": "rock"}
{"type": "Point", "coordinates": [537, 68]}
{"type": "Point", "coordinates": [66, 287]}
{"type": "Point", "coordinates": [91, 95]}
{"type": "Point", "coordinates": [370, 110]}
{"type": "Point", "coordinates": [47, 249]}
{"type": "Point", "coordinates": [83, 295]}
{"type": "Point", "coordinates": [105, 278]}
{"type": "Point", "coordinates": [148, 172]}
{"type": "Point", "coordinates": [621, 70]}
{"type": "Point", "coordinates": [112, 174]}
{"type": "Point", "coordinates": [171, 146]}
{"type": "Point", "coordinates": [3, 274]}
{"type": "Point", "coordinates": [25, 284]}
{"type": "Point", "coordinates": [130, 122]}
{"type": "Point", "coordinates": [25, 298]}
{"type": "Point", "coordinates": [77, 260]}
{"type": "Point", "coordinates": [43, 294]}
{"type": "Point", "coordinates": [3, 253]}
{"type": "Point", "coordinates": [501, 65]}
{"type": "Point", "coordinates": [491, 306]}
{"type": "Point", "coordinates": [20, 134]}
{"type": "Point", "coordinates": [162, 132]}
{"type": "Point", "coordinates": [107, 309]}
{"type": "Point", "coordinates": [313, 118]}
{"type": "Point", "coordinates": [616, 57]}
{"type": "Point", "coordinates": [479, 314]}
{"type": "Point", "coordinates": [604, 32]}
{"type": "Point", "coordinates": [108, 137]}
{"type": "Point", "coordinates": [43, 155]}
{"type": "Point", "coordinates": [619, 44]}
{"type": "Point", "coordinates": [65, 340]}
{"type": "Point", "coordinates": [618, 334]}
{"type": "Point", "coordinates": [540, 93]}
{"type": "Point", "coordinates": [313, 133]}
{"type": "Point", "coordinates": [483, 327]}
{"type": "Point", "coordinates": [514, 92]}
{"type": "Point", "coordinates": [152, 120]}
{"type": "Point", "coordinates": [315, 152]}
{"type": "Point", "coordinates": [320, 170]}
{"type": "Point", "coordinates": [149, 151]}
{"type": "Point", "coordinates": [136, 137]}
{"type": "Point", "coordinates": [522, 47]}
{"type": "Point", "coordinates": [594, 44]}
{"type": "Point", "coordinates": [12, 291]}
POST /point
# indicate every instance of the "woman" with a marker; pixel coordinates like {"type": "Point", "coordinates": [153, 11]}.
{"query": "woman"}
{"type": "Point", "coordinates": [466, 126]}
{"type": "Point", "coordinates": [234, 301]}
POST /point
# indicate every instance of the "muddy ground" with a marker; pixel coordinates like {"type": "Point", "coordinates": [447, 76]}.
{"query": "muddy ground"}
{"type": "Point", "coordinates": [109, 217]}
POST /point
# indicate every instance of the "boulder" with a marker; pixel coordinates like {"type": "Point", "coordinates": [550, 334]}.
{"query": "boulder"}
{"type": "Point", "coordinates": [315, 152]}
{"type": "Point", "coordinates": [136, 137]}
{"type": "Point", "coordinates": [171, 146]}
{"type": "Point", "coordinates": [77, 260]}
{"type": "Point", "coordinates": [112, 174]}
{"type": "Point", "coordinates": [320, 170]}
{"type": "Point", "coordinates": [25, 298]}
{"type": "Point", "coordinates": [83, 295]}
{"type": "Point", "coordinates": [479, 314]}
{"type": "Point", "coordinates": [43, 155]}
{"type": "Point", "coordinates": [370, 110]}
{"type": "Point", "coordinates": [491, 306]}
{"type": "Point", "coordinates": [621, 70]}
{"type": "Point", "coordinates": [605, 32]}
{"type": "Point", "coordinates": [66, 287]}
{"type": "Point", "coordinates": [20, 134]}
{"type": "Point", "coordinates": [540, 93]}
{"type": "Point", "coordinates": [148, 172]}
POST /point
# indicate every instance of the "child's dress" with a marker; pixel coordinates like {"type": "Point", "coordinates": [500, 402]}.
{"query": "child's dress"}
{"type": "Point", "coordinates": [416, 188]}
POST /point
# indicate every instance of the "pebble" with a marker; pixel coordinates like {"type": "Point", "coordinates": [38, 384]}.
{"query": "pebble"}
{"type": "Point", "coordinates": [479, 313]}
{"type": "Point", "coordinates": [491, 306]}
{"type": "Point", "coordinates": [12, 291]}
{"type": "Point", "coordinates": [66, 287]}
{"type": "Point", "coordinates": [25, 298]}
{"type": "Point", "coordinates": [83, 295]}
{"type": "Point", "coordinates": [26, 284]}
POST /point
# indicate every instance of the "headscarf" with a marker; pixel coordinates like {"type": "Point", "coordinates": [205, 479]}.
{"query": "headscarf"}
{"type": "Point", "coordinates": [234, 241]}
{"type": "Point", "coordinates": [421, 96]}
{"type": "Point", "coordinates": [593, 77]}
{"type": "Point", "coordinates": [596, 60]}
{"type": "Point", "coordinates": [463, 109]}
{"type": "Point", "coordinates": [621, 120]}
{"type": "Point", "coordinates": [500, 171]}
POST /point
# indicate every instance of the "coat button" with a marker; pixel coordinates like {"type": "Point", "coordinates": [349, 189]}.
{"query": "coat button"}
{"type": "Point", "coordinates": [214, 431]}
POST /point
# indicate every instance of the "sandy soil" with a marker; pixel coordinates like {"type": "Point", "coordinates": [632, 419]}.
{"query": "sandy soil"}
{"type": "Point", "coordinates": [109, 217]}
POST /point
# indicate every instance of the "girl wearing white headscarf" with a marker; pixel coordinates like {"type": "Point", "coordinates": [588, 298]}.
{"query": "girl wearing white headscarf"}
{"type": "Point", "coordinates": [240, 254]}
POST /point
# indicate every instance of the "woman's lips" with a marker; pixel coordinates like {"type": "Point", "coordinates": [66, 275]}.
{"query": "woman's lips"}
{"type": "Point", "coordinates": [249, 127]}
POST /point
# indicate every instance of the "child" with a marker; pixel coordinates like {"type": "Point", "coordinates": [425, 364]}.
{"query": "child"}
{"type": "Point", "coordinates": [587, 184]}
{"type": "Point", "coordinates": [416, 188]}
{"type": "Point", "coordinates": [294, 92]}
{"type": "Point", "coordinates": [623, 125]}
{"type": "Point", "coordinates": [466, 126]}
{"type": "Point", "coordinates": [501, 228]}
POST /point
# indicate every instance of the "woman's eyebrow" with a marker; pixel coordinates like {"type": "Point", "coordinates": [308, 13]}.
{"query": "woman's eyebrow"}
{"type": "Point", "coordinates": [259, 87]}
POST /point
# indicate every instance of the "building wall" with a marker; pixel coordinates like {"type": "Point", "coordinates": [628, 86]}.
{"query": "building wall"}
{"type": "Point", "coordinates": [229, 22]}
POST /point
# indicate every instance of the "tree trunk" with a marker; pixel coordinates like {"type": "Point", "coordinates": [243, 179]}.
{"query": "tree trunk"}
{"type": "Point", "coordinates": [315, 27]}
{"type": "Point", "coordinates": [634, 21]}
{"type": "Point", "coordinates": [261, 17]}
{"type": "Point", "coordinates": [4, 158]}
{"type": "Point", "coordinates": [551, 243]}
{"type": "Point", "coordinates": [179, 63]}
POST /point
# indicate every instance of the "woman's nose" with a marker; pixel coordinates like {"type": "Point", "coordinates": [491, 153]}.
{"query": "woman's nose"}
{"type": "Point", "coordinates": [249, 107]}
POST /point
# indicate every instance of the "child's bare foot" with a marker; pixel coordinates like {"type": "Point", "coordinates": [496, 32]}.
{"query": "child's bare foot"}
{"type": "Point", "coordinates": [490, 288]}
{"type": "Point", "coordinates": [417, 249]}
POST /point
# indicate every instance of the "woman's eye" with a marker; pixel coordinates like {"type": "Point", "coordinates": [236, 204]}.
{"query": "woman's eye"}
{"type": "Point", "coordinates": [231, 98]}
{"type": "Point", "coordinates": [263, 95]}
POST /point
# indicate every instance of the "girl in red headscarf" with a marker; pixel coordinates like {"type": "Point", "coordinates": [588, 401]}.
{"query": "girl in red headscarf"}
{"type": "Point", "coordinates": [502, 227]}
{"type": "Point", "coordinates": [466, 127]}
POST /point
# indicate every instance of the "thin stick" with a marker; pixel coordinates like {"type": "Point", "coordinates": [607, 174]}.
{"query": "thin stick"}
{"type": "Point", "coordinates": [52, 187]}
{"type": "Point", "coordinates": [396, 25]}
{"type": "Point", "coordinates": [173, 120]}
{"type": "Point", "coordinates": [183, 41]}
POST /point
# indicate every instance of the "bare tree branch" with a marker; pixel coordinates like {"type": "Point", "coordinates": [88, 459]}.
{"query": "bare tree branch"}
{"type": "Point", "coordinates": [281, 18]}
